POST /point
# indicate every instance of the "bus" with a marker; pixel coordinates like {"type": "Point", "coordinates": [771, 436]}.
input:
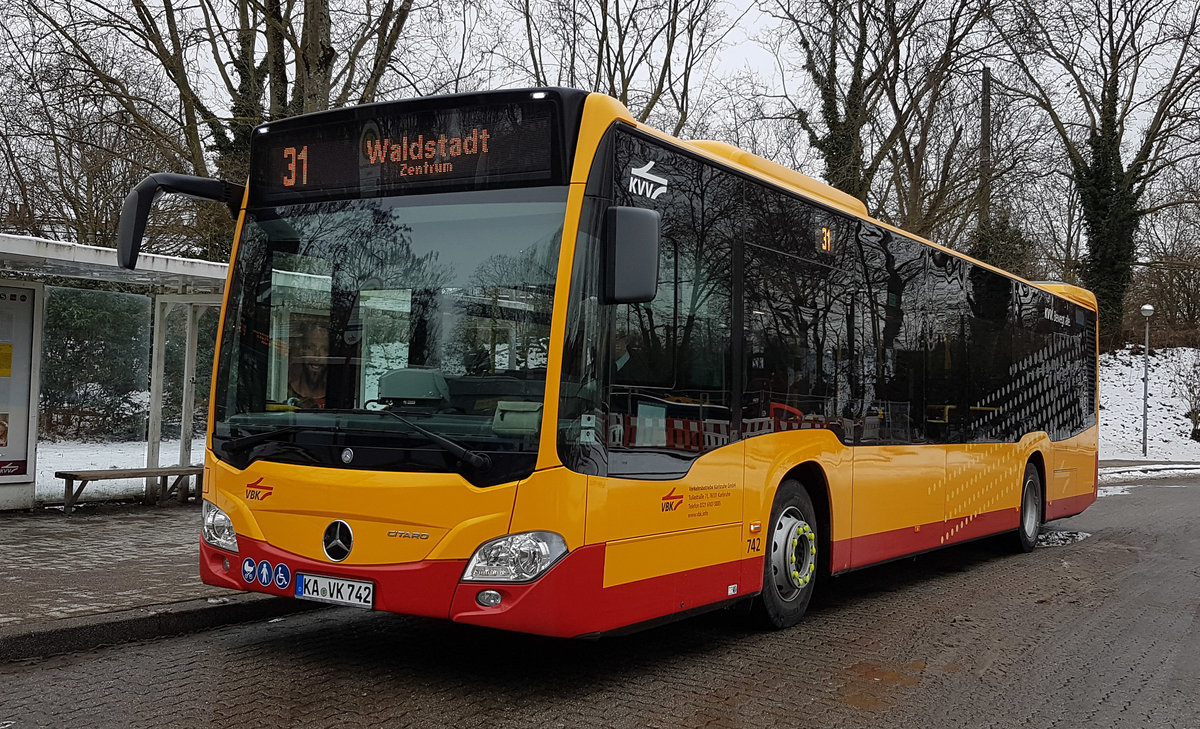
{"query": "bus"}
{"type": "Point", "coordinates": [514, 359]}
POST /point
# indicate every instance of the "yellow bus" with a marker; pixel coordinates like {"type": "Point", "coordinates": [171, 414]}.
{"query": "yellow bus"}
{"type": "Point", "coordinates": [517, 360]}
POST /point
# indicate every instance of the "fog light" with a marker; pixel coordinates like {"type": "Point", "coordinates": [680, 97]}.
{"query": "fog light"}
{"type": "Point", "coordinates": [488, 598]}
{"type": "Point", "coordinates": [225, 562]}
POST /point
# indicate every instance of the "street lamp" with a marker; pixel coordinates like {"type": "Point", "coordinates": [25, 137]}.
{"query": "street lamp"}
{"type": "Point", "coordinates": [1147, 312]}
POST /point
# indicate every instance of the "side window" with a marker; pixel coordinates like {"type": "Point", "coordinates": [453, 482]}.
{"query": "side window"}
{"type": "Point", "coordinates": [670, 378]}
{"type": "Point", "coordinates": [581, 410]}
{"type": "Point", "coordinates": [1066, 406]}
{"type": "Point", "coordinates": [990, 355]}
{"type": "Point", "coordinates": [797, 309]}
{"type": "Point", "coordinates": [947, 404]}
{"type": "Point", "coordinates": [1086, 326]}
{"type": "Point", "coordinates": [893, 337]}
{"type": "Point", "coordinates": [1052, 378]}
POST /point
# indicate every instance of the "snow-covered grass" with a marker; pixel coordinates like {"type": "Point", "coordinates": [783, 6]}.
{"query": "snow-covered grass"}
{"type": "Point", "coordinates": [65, 456]}
{"type": "Point", "coordinates": [1121, 407]}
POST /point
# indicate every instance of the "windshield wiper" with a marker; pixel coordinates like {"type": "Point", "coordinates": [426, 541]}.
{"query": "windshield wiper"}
{"type": "Point", "coordinates": [245, 442]}
{"type": "Point", "coordinates": [478, 461]}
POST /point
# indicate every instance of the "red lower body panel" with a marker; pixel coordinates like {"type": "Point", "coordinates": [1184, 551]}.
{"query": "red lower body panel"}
{"type": "Point", "coordinates": [1069, 506]}
{"type": "Point", "coordinates": [421, 588]}
{"type": "Point", "coordinates": [875, 548]}
{"type": "Point", "coordinates": [568, 601]}
{"type": "Point", "coordinates": [571, 600]}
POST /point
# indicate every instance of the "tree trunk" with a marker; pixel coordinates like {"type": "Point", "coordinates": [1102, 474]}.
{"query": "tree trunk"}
{"type": "Point", "coordinates": [316, 57]}
{"type": "Point", "coordinates": [1110, 212]}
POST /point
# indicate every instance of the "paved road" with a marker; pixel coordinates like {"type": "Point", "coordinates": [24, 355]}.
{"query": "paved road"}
{"type": "Point", "coordinates": [1101, 633]}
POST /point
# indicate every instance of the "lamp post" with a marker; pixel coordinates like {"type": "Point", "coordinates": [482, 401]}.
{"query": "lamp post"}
{"type": "Point", "coordinates": [1147, 312]}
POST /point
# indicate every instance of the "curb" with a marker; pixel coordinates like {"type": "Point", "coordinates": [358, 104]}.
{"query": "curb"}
{"type": "Point", "coordinates": [1119, 474]}
{"type": "Point", "coordinates": [68, 635]}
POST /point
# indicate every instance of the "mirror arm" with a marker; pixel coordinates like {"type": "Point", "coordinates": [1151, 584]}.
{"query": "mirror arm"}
{"type": "Point", "coordinates": [136, 209]}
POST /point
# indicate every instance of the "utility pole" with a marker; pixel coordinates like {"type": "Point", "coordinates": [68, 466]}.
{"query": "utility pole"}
{"type": "Point", "coordinates": [985, 151]}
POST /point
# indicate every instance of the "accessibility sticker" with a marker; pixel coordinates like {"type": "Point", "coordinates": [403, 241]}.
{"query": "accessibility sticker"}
{"type": "Point", "coordinates": [248, 566]}
{"type": "Point", "coordinates": [265, 573]}
{"type": "Point", "coordinates": [283, 576]}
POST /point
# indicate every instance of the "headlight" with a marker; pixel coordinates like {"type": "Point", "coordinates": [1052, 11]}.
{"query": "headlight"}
{"type": "Point", "coordinates": [218, 529]}
{"type": "Point", "coordinates": [515, 558]}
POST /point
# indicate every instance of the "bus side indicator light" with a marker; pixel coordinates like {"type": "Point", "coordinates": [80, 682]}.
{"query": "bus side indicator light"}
{"type": "Point", "coordinates": [755, 527]}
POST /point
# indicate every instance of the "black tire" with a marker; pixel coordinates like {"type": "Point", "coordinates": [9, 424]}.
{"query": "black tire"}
{"type": "Point", "coordinates": [791, 562]}
{"type": "Point", "coordinates": [1031, 511]}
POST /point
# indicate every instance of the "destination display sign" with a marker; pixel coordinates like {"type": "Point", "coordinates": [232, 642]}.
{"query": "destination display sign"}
{"type": "Point", "coordinates": [369, 151]}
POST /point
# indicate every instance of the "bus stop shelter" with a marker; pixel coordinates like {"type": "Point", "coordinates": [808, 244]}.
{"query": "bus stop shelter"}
{"type": "Point", "coordinates": [25, 264]}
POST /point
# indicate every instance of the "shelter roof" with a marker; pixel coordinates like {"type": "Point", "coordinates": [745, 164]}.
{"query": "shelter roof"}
{"type": "Point", "coordinates": [41, 257]}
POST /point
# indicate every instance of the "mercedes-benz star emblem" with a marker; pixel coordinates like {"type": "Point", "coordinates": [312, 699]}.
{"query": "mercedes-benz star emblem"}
{"type": "Point", "coordinates": [347, 456]}
{"type": "Point", "coordinates": [338, 540]}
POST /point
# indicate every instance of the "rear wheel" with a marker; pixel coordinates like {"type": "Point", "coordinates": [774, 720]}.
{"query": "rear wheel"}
{"type": "Point", "coordinates": [790, 566]}
{"type": "Point", "coordinates": [1031, 510]}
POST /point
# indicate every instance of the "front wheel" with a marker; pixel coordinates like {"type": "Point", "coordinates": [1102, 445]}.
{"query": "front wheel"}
{"type": "Point", "coordinates": [790, 565]}
{"type": "Point", "coordinates": [1031, 510]}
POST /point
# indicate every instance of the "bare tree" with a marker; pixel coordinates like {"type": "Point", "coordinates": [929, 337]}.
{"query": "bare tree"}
{"type": "Point", "coordinates": [67, 152]}
{"type": "Point", "coordinates": [654, 56]}
{"type": "Point", "coordinates": [1118, 80]}
{"type": "Point", "coordinates": [1186, 384]}
{"type": "Point", "coordinates": [190, 81]}
{"type": "Point", "coordinates": [449, 47]}
{"type": "Point", "coordinates": [859, 76]}
{"type": "Point", "coordinates": [1167, 273]}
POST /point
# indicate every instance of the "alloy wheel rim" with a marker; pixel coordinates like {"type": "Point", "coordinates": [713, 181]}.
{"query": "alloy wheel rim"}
{"type": "Point", "coordinates": [793, 554]}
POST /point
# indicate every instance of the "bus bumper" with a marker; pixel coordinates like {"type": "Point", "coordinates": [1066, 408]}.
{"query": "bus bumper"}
{"type": "Point", "coordinates": [421, 588]}
{"type": "Point", "coordinates": [569, 600]}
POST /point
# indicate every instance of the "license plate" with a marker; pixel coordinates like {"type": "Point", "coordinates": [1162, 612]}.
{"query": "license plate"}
{"type": "Point", "coordinates": [353, 593]}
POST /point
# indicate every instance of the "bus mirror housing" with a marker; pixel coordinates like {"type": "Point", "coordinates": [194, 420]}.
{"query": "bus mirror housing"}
{"type": "Point", "coordinates": [136, 209]}
{"type": "Point", "coordinates": [631, 255]}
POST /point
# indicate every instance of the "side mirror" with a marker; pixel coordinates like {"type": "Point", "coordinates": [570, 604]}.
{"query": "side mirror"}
{"type": "Point", "coordinates": [136, 209]}
{"type": "Point", "coordinates": [630, 255]}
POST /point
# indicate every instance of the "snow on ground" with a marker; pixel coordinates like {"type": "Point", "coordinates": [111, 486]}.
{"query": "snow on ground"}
{"type": "Point", "coordinates": [1051, 537]}
{"type": "Point", "coordinates": [1120, 433]}
{"type": "Point", "coordinates": [1123, 474]}
{"type": "Point", "coordinates": [1121, 407]}
{"type": "Point", "coordinates": [68, 455]}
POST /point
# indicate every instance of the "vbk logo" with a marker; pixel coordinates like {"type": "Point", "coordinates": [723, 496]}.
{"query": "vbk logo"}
{"type": "Point", "coordinates": [257, 491]}
{"type": "Point", "coordinates": [672, 501]}
{"type": "Point", "coordinates": [641, 182]}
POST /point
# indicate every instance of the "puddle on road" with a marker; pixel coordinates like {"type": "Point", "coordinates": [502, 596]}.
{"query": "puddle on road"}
{"type": "Point", "coordinates": [869, 683]}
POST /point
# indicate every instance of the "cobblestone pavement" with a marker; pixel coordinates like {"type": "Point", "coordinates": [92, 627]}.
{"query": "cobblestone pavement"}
{"type": "Point", "coordinates": [98, 560]}
{"type": "Point", "coordinates": [1104, 632]}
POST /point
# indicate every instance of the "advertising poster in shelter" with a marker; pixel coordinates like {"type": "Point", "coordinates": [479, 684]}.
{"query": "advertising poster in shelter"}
{"type": "Point", "coordinates": [16, 348]}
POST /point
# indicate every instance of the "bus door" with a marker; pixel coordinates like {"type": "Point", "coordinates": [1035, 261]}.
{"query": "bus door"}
{"type": "Point", "coordinates": [669, 505]}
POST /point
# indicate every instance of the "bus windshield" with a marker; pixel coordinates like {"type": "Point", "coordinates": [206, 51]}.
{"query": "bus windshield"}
{"type": "Point", "coordinates": [432, 307]}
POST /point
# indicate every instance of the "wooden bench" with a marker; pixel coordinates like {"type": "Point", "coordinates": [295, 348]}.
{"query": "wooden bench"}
{"type": "Point", "coordinates": [154, 491]}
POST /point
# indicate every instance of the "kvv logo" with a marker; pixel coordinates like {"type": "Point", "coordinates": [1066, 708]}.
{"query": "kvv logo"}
{"type": "Point", "coordinates": [1060, 319]}
{"type": "Point", "coordinates": [641, 182]}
